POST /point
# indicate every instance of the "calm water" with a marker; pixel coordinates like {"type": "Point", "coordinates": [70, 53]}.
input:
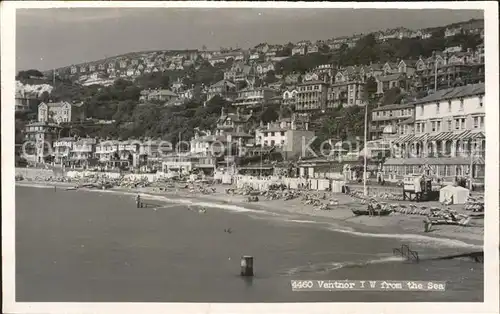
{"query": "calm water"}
{"type": "Point", "coordinates": [93, 246]}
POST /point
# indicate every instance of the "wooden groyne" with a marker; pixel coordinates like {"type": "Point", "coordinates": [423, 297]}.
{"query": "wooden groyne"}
{"type": "Point", "coordinates": [476, 256]}
{"type": "Point", "coordinates": [412, 256]}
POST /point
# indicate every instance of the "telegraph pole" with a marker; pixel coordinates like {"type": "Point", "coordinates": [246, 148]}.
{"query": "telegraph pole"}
{"type": "Point", "coordinates": [435, 75]}
{"type": "Point", "coordinates": [365, 192]}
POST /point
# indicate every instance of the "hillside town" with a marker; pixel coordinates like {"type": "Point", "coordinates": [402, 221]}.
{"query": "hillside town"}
{"type": "Point", "coordinates": [434, 125]}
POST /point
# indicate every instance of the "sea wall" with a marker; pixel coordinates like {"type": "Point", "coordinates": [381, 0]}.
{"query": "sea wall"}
{"type": "Point", "coordinates": [33, 173]}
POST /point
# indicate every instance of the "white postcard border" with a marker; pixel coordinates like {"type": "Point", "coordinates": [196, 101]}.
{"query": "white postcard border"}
{"type": "Point", "coordinates": [491, 243]}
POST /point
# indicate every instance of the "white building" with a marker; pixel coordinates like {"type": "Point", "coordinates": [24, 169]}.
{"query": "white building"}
{"type": "Point", "coordinates": [105, 150]}
{"type": "Point", "coordinates": [62, 149]}
{"type": "Point", "coordinates": [449, 135]}
{"type": "Point", "coordinates": [287, 134]}
{"type": "Point", "coordinates": [82, 151]}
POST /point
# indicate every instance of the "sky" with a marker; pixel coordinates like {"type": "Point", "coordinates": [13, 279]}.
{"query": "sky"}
{"type": "Point", "coordinates": [51, 38]}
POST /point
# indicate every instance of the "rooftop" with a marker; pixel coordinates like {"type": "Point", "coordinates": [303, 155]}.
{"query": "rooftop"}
{"type": "Point", "coordinates": [390, 77]}
{"type": "Point", "coordinates": [393, 107]}
{"type": "Point", "coordinates": [315, 82]}
{"type": "Point", "coordinates": [455, 92]}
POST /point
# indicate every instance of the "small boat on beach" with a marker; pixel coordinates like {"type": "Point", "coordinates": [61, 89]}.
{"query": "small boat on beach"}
{"type": "Point", "coordinates": [71, 188]}
{"type": "Point", "coordinates": [365, 212]}
{"type": "Point", "coordinates": [441, 221]}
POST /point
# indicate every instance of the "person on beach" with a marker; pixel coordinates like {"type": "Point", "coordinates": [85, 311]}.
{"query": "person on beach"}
{"type": "Point", "coordinates": [418, 187]}
{"type": "Point", "coordinates": [138, 201]}
{"type": "Point", "coordinates": [427, 224]}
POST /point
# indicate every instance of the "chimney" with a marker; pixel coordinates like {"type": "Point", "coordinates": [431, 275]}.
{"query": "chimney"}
{"type": "Point", "coordinates": [268, 125]}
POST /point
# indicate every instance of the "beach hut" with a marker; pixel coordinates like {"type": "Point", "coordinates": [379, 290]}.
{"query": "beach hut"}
{"type": "Point", "coordinates": [458, 193]}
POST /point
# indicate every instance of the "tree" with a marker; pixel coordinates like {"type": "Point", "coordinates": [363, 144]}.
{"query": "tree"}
{"type": "Point", "coordinates": [391, 96]}
{"type": "Point", "coordinates": [323, 48]}
{"type": "Point", "coordinates": [21, 75]}
{"type": "Point", "coordinates": [270, 77]}
{"type": "Point", "coordinates": [285, 52]}
{"type": "Point", "coordinates": [165, 82]}
{"type": "Point", "coordinates": [371, 87]}
{"type": "Point", "coordinates": [438, 33]}
{"type": "Point", "coordinates": [269, 115]}
{"type": "Point", "coordinates": [285, 112]}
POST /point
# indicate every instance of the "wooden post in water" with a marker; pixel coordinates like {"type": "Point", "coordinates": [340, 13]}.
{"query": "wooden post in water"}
{"type": "Point", "coordinates": [246, 266]}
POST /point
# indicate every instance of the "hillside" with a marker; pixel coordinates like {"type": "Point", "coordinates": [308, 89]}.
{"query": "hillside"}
{"type": "Point", "coordinates": [427, 45]}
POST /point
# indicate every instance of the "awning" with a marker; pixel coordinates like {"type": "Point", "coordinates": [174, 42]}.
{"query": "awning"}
{"type": "Point", "coordinates": [404, 139]}
{"type": "Point", "coordinates": [442, 136]}
{"type": "Point", "coordinates": [471, 135]}
{"type": "Point", "coordinates": [420, 138]}
{"type": "Point", "coordinates": [433, 161]}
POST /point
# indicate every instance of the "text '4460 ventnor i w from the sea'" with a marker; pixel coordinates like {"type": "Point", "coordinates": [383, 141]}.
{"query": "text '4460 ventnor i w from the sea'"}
{"type": "Point", "coordinates": [371, 285]}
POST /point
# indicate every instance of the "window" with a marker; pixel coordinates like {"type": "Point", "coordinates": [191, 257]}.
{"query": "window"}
{"type": "Point", "coordinates": [282, 142]}
{"type": "Point", "coordinates": [272, 142]}
{"type": "Point", "coordinates": [316, 87]}
{"type": "Point", "coordinates": [476, 122]}
{"type": "Point", "coordinates": [449, 105]}
{"type": "Point", "coordinates": [457, 124]}
{"type": "Point", "coordinates": [481, 101]}
{"type": "Point", "coordinates": [461, 104]}
{"type": "Point", "coordinates": [433, 126]}
{"type": "Point", "coordinates": [423, 127]}
{"type": "Point", "coordinates": [481, 122]}
{"type": "Point", "coordinates": [282, 133]}
{"type": "Point", "coordinates": [462, 123]}
{"type": "Point", "coordinates": [421, 110]}
{"type": "Point", "coordinates": [437, 108]}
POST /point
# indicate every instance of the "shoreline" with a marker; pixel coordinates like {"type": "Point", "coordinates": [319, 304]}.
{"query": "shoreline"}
{"type": "Point", "coordinates": [339, 220]}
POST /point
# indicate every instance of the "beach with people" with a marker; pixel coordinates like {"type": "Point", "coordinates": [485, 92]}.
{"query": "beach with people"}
{"type": "Point", "coordinates": [321, 206]}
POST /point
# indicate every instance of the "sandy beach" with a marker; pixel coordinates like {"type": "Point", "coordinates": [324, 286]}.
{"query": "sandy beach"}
{"type": "Point", "coordinates": [341, 216]}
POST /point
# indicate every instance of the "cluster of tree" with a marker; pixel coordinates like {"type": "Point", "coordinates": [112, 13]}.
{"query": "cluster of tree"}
{"type": "Point", "coordinates": [341, 123]}
{"type": "Point", "coordinates": [302, 63]}
{"type": "Point", "coordinates": [135, 120]}
{"type": "Point", "coordinates": [28, 74]}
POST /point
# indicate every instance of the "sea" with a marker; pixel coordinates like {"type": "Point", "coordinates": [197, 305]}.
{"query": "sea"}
{"type": "Point", "coordinates": [97, 246]}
